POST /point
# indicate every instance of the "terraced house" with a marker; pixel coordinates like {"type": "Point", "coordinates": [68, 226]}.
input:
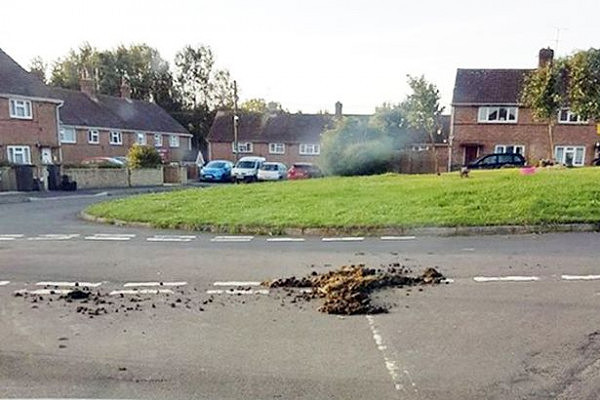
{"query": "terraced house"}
{"type": "Point", "coordinates": [45, 126]}
{"type": "Point", "coordinates": [487, 117]}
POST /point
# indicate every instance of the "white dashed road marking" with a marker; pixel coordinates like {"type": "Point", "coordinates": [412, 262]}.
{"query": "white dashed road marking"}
{"type": "Point", "coordinates": [154, 284]}
{"type": "Point", "coordinates": [171, 238]}
{"type": "Point", "coordinates": [141, 291]}
{"type": "Point", "coordinates": [4, 283]}
{"type": "Point", "coordinates": [111, 236]}
{"type": "Point", "coordinates": [286, 239]}
{"type": "Point", "coordinates": [55, 236]}
{"type": "Point", "coordinates": [343, 239]}
{"type": "Point", "coordinates": [506, 278]}
{"type": "Point", "coordinates": [69, 284]}
{"type": "Point", "coordinates": [45, 291]}
{"type": "Point", "coordinates": [580, 277]}
{"type": "Point", "coordinates": [237, 283]}
{"type": "Point", "coordinates": [232, 239]}
{"type": "Point", "coordinates": [7, 237]}
{"type": "Point", "coordinates": [236, 291]}
{"type": "Point", "coordinates": [393, 238]}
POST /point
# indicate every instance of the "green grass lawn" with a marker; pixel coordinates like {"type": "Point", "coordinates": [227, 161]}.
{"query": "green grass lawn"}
{"type": "Point", "coordinates": [502, 197]}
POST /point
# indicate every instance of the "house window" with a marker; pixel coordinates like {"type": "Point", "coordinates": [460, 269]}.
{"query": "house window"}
{"type": "Point", "coordinates": [189, 140]}
{"type": "Point", "coordinates": [140, 138]}
{"type": "Point", "coordinates": [418, 148]}
{"type": "Point", "coordinates": [116, 138]}
{"type": "Point", "coordinates": [19, 155]}
{"type": "Point", "coordinates": [173, 141]}
{"type": "Point", "coordinates": [567, 117]}
{"type": "Point", "coordinates": [510, 148]}
{"type": "Point", "coordinates": [93, 136]}
{"type": "Point", "coordinates": [276, 148]}
{"type": "Point", "coordinates": [20, 109]}
{"type": "Point", "coordinates": [310, 149]}
{"type": "Point", "coordinates": [243, 147]}
{"type": "Point", "coordinates": [570, 155]}
{"type": "Point", "coordinates": [67, 135]}
{"type": "Point", "coordinates": [498, 115]}
{"type": "Point", "coordinates": [157, 140]}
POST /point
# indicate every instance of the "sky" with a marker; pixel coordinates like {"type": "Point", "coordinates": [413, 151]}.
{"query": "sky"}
{"type": "Point", "coordinates": [308, 54]}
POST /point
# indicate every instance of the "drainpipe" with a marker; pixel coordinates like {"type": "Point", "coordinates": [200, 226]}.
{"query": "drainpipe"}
{"type": "Point", "coordinates": [60, 156]}
{"type": "Point", "coordinates": [451, 140]}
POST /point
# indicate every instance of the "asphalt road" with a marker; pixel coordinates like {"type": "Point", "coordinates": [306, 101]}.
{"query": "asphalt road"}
{"type": "Point", "coordinates": [533, 334]}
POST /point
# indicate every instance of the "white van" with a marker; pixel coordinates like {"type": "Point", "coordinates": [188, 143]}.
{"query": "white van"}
{"type": "Point", "coordinates": [246, 169]}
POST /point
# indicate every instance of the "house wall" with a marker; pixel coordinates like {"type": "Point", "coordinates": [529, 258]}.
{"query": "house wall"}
{"type": "Point", "coordinates": [38, 132]}
{"type": "Point", "coordinates": [223, 151]}
{"type": "Point", "coordinates": [533, 135]}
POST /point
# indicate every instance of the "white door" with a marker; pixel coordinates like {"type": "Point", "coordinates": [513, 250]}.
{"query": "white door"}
{"type": "Point", "coordinates": [46, 155]}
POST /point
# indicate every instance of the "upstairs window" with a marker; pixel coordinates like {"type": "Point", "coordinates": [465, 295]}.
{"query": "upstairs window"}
{"type": "Point", "coordinates": [309, 149]}
{"type": "Point", "coordinates": [67, 135]}
{"type": "Point", "coordinates": [276, 148]}
{"type": "Point", "coordinates": [243, 147]}
{"type": "Point", "coordinates": [173, 141]}
{"type": "Point", "coordinates": [20, 109]}
{"type": "Point", "coordinates": [157, 140]}
{"type": "Point", "coordinates": [116, 138]}
{"type": "Point", "coordinates": [498, 115]}
{"type": "Point", "coordinates": [140, 138]}
{"type": "Point", "coordinates": [567, 117]}
{"type": "Point", "coordinates": [93, 136]}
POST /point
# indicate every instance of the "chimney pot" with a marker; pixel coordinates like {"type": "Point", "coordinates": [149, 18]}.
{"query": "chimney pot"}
{"type": "Point", "coordinates": [87, 84]}
{"type": "Point", "coordinates": [546, 57]}
{"type": "Point", "coordinates": [338, 109]}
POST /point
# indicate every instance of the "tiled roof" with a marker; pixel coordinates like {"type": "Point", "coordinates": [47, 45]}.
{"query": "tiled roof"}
{"type": "Point", "coordinates": [113, 112]}
{"type": "Point", "coordinates": [15, 80]}
{"type": "Point", "coordinates": [488, 86]}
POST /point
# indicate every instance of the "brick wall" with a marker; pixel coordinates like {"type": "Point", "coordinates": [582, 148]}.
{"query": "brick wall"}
{"type": "Point", "coordinates": [527, 132]}
{"type": "Point", "coordinates": [38, 132]}
{"type": "Point", "coordinates": [223, 151]}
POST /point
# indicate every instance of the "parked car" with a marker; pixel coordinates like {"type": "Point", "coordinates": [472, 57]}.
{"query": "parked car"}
{"type": "Point", "coordinates": [246, 169]}
{"type": "Point", "coordinates": [217, 170]}
{"type": "Point", "coordinates": [105, 161]}
{"type": "Point", "coordinates": [498, 160]}
{"type": "Point", "coordinates": [272, 171]}
{"type": "Point", "coordinates": [304, 171]}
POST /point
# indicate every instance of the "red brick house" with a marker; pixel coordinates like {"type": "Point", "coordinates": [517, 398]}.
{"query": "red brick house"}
{"type": "Point", "coordinates": [487, 117]}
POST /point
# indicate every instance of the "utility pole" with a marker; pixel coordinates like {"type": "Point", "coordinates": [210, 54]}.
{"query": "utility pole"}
{"type": "Point", "coordinates": [236, 121]}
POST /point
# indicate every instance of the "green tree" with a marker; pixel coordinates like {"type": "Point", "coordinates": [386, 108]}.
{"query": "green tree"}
{"type": "Point", "coordinates": [143, 157]}
{"type": "Point", "coordinates": [545, 91]}
{"type": "Point", "coordinates": [67, 71]}
{"type": "Point", "coordinates": [38, 67]}
{"type": "Point", "coordinates": [391, 119]}
{"type": "Point", "coordinates": [584, 80]}
{"type": "Point", "coordinates": [255, 105]}
{"type": "Point", "coordinates": [422, 110]}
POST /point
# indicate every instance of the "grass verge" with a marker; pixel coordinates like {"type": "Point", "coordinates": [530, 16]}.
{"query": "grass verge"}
{"type": "Point", "coordinates": [487, 198]}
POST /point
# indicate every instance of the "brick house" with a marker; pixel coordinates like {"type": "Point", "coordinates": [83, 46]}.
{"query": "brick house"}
{"type": "Point", "coordinates": [487, 117]}
{"type": "Point", "coordinates": [28, 117]}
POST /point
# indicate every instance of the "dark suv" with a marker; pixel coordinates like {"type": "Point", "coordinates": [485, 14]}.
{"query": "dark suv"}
{"type": "Point", "coordinates": [498, 160]}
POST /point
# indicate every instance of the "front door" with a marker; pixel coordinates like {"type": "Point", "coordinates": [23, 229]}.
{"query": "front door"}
{"type": "Point", "coordinates": [471, 153]}
{"type": "Point", "coordinates": [46, 155]}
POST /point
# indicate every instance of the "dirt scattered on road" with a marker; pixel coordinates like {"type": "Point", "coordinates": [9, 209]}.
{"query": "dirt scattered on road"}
{"type": "Point", "coordinates": [348, 290]}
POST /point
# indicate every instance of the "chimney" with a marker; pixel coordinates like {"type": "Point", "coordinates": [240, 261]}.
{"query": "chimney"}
{"type": "Point", "coordinates": [125, 89]}
{"type": "Point", "coordinates": [338, 109]}
{"type": "Point", "coordinates": [546, 57]}
{"type": "Point", "coordinates": [87, 84]}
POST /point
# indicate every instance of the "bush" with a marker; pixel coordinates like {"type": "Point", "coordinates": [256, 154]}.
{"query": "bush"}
{"type": "Point", "coordinates": [143, 157]}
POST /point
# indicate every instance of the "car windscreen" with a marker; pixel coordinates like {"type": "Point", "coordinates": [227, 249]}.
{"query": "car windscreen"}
{"type": "Point", "coordinates": [269, 167]}
{"type": "Point", "coordinates": [246, 164]}
{"type": "Point", "coordinates": [215, 164]}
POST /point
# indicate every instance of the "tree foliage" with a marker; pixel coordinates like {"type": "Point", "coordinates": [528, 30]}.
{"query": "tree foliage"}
{"type": "Point", "coordinates": [255, 105]}
{"type": "Point", "coordinates": [37, 67]}
{"type": "Point", "coordinates": [143, 157]}
{"type": "Point", "coordinates": [584, 84]}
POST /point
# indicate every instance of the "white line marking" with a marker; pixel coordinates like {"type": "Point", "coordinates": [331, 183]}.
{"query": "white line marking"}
{"type": "Point", "coordinates": [171, 238]}
{"type": "Point", "coordinates": [235, 291]}
{"type": "Point", "coordinates": [70, 284]}
{"type": "Point", "coordinates": [505, 278]}
{"type": "Point", "coordinates": [447, 280]}
{"type": "Point", "coordinates": [580, 277]}
{"type": "Point", "coordinates": [8, 237]}
{"type": "Point", "coordinates": [4, 283]}
{"type": "Point", "coordinates": [141, 291]}
{"type": "Point", "coordinates": [469, 249]}
{"type": "Point", "coordinates": [398, 237]}
{"type": "Point", "coordinates": [111, 236]}
{"type": "Point", "coordinates": [232, 239]}
{"type": "Point", "coordinates": [343, 239]}
{"type": "Point", "coordinates": [154, 284]}
{"type": "Point", "coordinates": [55, 236]}
{"type": "Point", "coordinates": [286, 239]}
{"type": "Point", "coordinates": [237, 283]}
{"type": "Point", "coordinates": [68, 197]}
{"type": "Point", "coordinates": [45, 291]}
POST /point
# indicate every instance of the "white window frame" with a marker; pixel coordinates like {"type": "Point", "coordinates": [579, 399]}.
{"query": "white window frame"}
{"type": "Point", "coordinates": [115, 138]}
{"type": "Point", "coordinates": [174, 141]}
{"type": "Point", "coordinates": [483, 114]}
{"type": "Point", "coordinates": [140, 138]}
{"type": "Point", "coordinates": [24, 106]}
{"type": "Point", "coordinates": [243, 147]}
{"type": "Point", "coordinates": [501, 148]}
{"type": "Point", "coordinates": [23, 151]}
{"type": "Point", "coordinates": [63, 138]}
{"type": "Point", "coordinates": [570, 149]}
{"type": "Point", "coordinates": [570, 118]}
{"type": "Point", "coordinates": [93, 136]}
{"type": "Point", "coordinates": [189, 142]}
{"type": "Point", "coordinates": [310, 149]}
{"type": "Point", "coordinates": [276, 148]}
{"type": "Point", "coordinates": [158, 141]}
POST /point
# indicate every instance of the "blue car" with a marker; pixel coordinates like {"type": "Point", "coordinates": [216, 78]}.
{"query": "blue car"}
{"type": "Point", "coordinates": [216, 171]}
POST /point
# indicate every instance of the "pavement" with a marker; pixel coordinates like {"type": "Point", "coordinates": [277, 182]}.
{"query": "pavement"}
{"type": "Point", "coordinates": [517, 320]}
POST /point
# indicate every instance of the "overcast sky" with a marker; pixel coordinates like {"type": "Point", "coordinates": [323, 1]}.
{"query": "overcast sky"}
{"type": "Point", "coordinates": [308, 54]}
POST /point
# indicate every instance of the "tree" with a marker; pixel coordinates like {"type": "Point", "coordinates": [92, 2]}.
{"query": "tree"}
{"type": "Point", "coordinates": [38, 67]}
{"type": "Point", "coordinates": [391, 119]}
{"type": "Point", "coordinates": [143, 157]}
{"type": "Point", "coordinates": [422, 110]}
{"type": "Point", "coordinates": [67, 72]}
{"type": "Point", "coordinates": [255, 105]}
{"type": "Point", "coordinates": [545, 91]}
{"type": "Point", "coordinates": [584, 82]}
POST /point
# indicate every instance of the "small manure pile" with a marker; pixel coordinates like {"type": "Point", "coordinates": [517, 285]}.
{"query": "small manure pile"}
{"type": "Point", "coordinates": [348, 289]}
